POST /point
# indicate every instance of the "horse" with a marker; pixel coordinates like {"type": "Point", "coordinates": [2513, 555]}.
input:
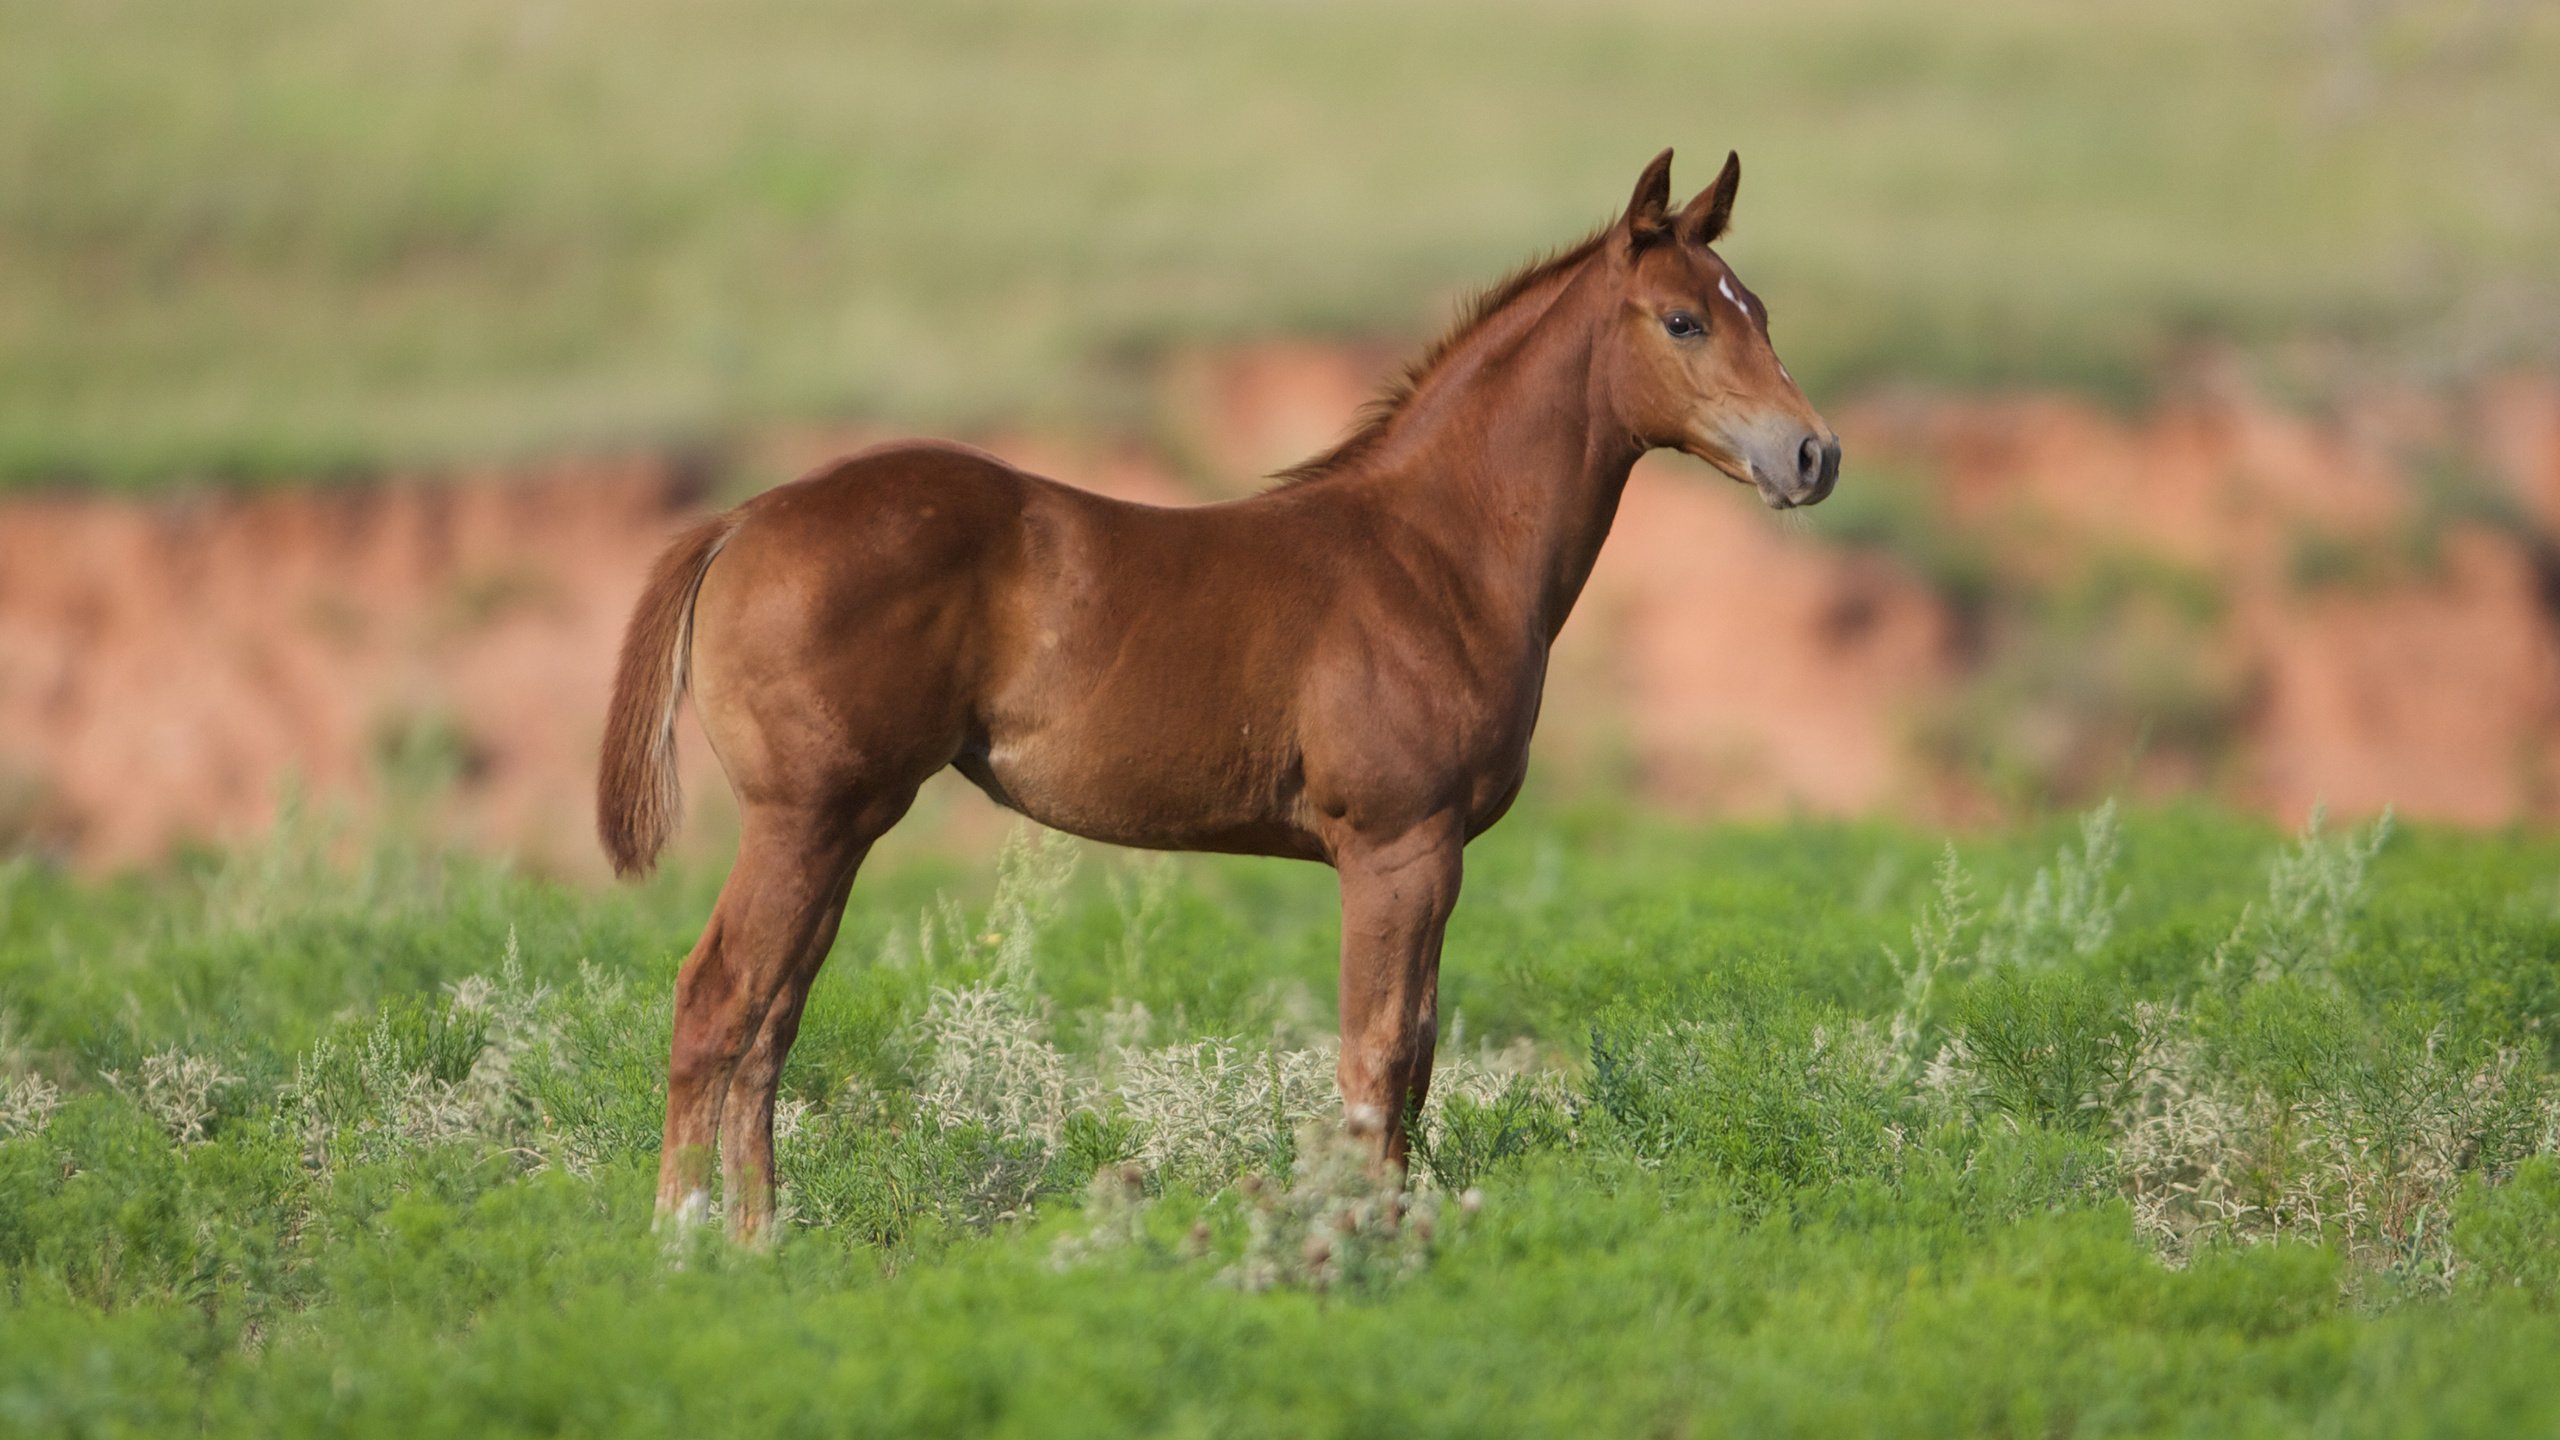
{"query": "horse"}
{"type": "Point", "coordinates": [1344, 667]}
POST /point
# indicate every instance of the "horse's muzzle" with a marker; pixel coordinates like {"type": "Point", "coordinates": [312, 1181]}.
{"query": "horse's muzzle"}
{"type": "Point", "coordinates": [1813, 470]}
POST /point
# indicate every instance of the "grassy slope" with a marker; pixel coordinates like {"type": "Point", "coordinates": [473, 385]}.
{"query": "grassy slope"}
{"type": "Point", "coordinates": [1740, 1229]}
{"type": "Point", "coordinates": [280, 235]}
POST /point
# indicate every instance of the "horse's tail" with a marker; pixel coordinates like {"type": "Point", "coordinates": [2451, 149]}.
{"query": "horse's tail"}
{"type": "Point", "coordinates": [637, 795]}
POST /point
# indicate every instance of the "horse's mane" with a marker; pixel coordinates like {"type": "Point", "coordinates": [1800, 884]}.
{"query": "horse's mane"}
{"type": "Point", "coordinates": [1380, 413]}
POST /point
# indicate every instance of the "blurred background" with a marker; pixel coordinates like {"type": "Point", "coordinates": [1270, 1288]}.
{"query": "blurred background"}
{"type": "Point", "coordinates": [2198, 367]}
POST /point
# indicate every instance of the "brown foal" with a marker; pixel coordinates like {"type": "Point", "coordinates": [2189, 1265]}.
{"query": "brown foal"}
{"type": "Point", "coordinates": [1345, 668]}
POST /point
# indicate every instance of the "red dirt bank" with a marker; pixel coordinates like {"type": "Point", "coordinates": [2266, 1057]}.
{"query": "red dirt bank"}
{"type": "Point", "coordinates": [2372, 631]}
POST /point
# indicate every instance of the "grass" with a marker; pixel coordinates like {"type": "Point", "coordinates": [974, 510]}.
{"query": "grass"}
{"type": "Point", "coordinates": [2171, 1124]}
{"type": "Point", "coordinates": [292, 237]}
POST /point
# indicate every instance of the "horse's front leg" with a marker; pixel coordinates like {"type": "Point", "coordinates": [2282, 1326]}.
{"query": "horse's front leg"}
{"type": "Point", "coordinates": [1397, 893]}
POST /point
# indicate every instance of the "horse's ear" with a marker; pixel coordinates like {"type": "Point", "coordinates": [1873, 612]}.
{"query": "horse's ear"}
{"type": "Point", "coordinates": [1707, 216]}
{"type": "Point", "coordinates": [1648, 212]}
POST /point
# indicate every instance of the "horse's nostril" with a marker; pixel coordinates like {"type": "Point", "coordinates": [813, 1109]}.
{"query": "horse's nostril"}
{"type": "Point", "coordinates": [1809, 460]}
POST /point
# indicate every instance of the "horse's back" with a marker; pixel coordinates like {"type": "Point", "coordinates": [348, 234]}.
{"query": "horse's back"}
{"type": "Point", "coordinates": [903, 507]}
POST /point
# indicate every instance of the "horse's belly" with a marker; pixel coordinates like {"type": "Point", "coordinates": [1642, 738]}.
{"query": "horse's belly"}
{"type": "Point", "coordinates": [1141, 785]}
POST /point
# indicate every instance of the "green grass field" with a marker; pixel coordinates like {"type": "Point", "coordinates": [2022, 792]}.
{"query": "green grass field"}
{"type": "Point", "coordinates": [2177, 1126]}
{"type": "Point", "coordinates": [2182, 1127]}
{"type": "Point", "coordinates": [291, 237]}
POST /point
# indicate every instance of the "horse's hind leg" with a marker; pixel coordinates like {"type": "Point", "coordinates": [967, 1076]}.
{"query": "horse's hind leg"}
{"type": "Point", "coordinates": [738, 996]}
{"type": "Point", "coordinates": [746, 1115]}
{"type": "Point", "coordinates": [746, 1124]}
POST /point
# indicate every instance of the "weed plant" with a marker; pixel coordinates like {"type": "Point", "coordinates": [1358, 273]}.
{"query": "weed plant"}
{"type": "Point", "coordinates": [1754, 1130]}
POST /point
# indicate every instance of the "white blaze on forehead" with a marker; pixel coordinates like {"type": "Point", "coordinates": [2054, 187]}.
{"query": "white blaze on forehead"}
{"type": "Point", "coordinates": [1724, 287]}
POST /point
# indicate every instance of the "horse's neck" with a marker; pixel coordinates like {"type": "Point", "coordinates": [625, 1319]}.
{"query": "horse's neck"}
{"type": "Point", "coordinates": [1503, 458]}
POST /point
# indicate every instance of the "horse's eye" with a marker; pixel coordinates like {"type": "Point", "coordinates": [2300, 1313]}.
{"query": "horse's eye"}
{"type": "Point", "coordinates": [1683, 325]}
